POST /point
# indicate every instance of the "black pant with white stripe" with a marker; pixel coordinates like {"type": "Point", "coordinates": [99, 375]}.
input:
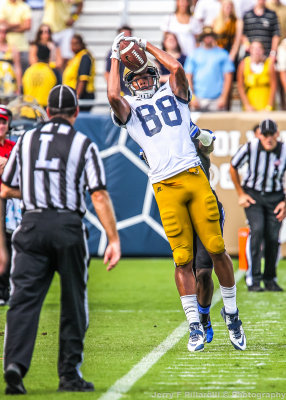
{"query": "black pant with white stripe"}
{"type": "Point", "coordinates": [46, 242]}
{"type": "Point", "coordinates": [264, 230]}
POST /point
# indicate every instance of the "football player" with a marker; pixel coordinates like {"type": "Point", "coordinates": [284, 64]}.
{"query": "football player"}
{"type": "Point", "coordinates": [158, 119]}
{"type": "Point", "coordinates": [202, 263]}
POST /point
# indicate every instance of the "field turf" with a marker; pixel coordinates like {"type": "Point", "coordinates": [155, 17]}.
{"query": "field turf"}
{"type": "Point", "coordinates": [132, 310]}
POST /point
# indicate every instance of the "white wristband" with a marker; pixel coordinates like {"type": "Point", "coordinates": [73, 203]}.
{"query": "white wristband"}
{"type": "Point", "coordinates": [205, 138]}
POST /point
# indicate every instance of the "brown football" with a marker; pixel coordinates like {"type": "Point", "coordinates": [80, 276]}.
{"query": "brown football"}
{"type": "Point", "coordinates": [133, 57]}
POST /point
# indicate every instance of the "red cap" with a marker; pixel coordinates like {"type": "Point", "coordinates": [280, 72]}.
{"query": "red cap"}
{"type": "Point", "coordinates": [4, 114]}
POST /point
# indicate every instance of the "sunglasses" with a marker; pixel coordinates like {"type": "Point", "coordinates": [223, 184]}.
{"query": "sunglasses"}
{"type": "Point", "coordinates": [45, 31]}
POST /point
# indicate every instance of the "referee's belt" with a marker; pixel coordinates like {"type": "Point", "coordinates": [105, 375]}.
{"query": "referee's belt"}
{"type": "Point", "coordinates": [57, 210]}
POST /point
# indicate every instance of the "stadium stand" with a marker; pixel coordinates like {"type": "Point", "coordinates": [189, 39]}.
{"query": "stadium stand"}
{"type": "Point", "coordinates": [100, 20]}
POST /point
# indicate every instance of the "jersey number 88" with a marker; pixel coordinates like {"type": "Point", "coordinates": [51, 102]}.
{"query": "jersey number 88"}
{"type": "Point", "coordinates": [165, 112]}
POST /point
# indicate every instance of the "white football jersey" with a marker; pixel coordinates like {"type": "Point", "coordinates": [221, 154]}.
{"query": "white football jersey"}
{"type": "Point", "coordinates": [161, 127]}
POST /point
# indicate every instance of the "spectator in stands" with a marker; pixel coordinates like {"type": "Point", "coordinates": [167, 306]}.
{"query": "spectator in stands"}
{"type": "Point", "coordinates": [39, 78]}
{"type": "Point", "coordinates": [80, 71]}
{"type": "Point", "coordinates": [256, 80]}
{"type": "Point", "coordinates": [6, 147]}
{"type": "Point", "coordinates": [37, 13]}
{"type": "Point", "coordinates": [281, 63]}
{"type": "Point", "coordinates": [184, 25]}
{"type": "Point", "coordinates": [280, 9]}
{"type": "Point", "coordinates": [44, 37]}
{"type": "Point", "coordinates": [209, 71]}
{"type": "Point", "coordinates": [171, 45]}
{"type": "Point", "coordinates": [17, 16]}
{"type": "Point", "coordinates": [261, 24]}
{"type": "Point", "coordinates": [61, 15]}
{"type": "Point", "coordinates": [124, 89]}
{"type": "Point", "coordinates": [256, 130]}
{"type": "Point", "coordinates": [228, 29]}
{"type": "Point", "coordinates": [242, 6]}
{"type": "Point", "coordinates": [206, 11]}
{"type": "Point", "coordinates": [10, 66]}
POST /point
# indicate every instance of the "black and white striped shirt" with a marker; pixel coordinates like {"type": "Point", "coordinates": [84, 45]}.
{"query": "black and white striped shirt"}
{"type": "Point", "coordinates": [265, 168]}
{"type": "Point", "coordinates": [261, 28]}
{"type": "Point", "coordinates": [53, 166]}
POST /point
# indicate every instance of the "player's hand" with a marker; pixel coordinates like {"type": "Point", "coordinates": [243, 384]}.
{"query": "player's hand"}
{"type": "Point", "coordinates": [115, 53]}
{"type": "Point", "coordinates": [245, 200]}
{"type": "Point", "coordinates": [280, 211]}
{"type": "Point", "coordinates": [141, 42]}
{"type": "Point", "coordinates": [112, 255]}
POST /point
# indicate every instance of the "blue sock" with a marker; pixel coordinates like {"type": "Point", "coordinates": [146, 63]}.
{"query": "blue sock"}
{"type": "Point", "coordinates": [204, 310]}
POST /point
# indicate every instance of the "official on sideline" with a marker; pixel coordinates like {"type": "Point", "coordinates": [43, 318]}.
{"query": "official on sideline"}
{"type": "Point", "coordinates": [262, 196]}
{"type": "Point", "coordinates": [50, 168]}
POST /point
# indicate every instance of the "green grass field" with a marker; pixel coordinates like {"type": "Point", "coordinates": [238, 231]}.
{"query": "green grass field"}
{"type": "Point", "coordinates": [132, 310]}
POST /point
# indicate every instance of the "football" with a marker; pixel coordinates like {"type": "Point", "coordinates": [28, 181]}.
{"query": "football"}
{"type": "Point", "coordinates": [133, 57]}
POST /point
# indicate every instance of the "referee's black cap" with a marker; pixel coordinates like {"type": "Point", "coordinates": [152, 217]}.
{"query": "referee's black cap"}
{"type": "Point", "coordinates": [268, 126]}
{"type": "Point", "coordinates": [62, 98]}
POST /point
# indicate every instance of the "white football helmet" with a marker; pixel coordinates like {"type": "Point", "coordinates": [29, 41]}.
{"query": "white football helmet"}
{"type": "Point", "coordinates": [131, 77]}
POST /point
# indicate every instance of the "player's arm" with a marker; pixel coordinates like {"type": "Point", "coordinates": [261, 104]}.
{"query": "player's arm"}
{"type": "Point", "coordinates": [178, 80]}
{"type": "Point", "coordinates": [119, 105]}
{"type": "Point", "coordinates": [104, 210]}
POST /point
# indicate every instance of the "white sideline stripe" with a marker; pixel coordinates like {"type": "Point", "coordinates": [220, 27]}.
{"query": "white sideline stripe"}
{"type": "Point", "coordinates": [122, 385]}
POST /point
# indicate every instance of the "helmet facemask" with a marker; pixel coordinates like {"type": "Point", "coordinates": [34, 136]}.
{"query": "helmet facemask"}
{"type": "Point", "coordinates": [144, 92]}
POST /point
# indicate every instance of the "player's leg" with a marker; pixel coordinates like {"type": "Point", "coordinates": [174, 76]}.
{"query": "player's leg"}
{"type": "Point", "coordinates": [205, 217]}
{"type": "Point", "coordinates": [202, 267]}
{"type": "Point", "coordinates": [178, 228]}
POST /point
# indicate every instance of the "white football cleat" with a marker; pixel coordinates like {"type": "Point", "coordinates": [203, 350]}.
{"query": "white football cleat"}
{"type": "Point", "coordinates": [236, 333]}
{"type": "Point", "coordinates": [197, 337]}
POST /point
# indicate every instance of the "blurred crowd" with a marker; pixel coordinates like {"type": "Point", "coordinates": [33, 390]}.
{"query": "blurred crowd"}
{"type": "Point", "coordinates": [39, 49]}
{"type": "Point", "coordinates": [230, 49]}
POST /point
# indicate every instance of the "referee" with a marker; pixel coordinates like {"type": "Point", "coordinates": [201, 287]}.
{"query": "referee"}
{"type": "Point", "coordinates": [49, 168]}
{"type": "Point", "coordinates": [262, 196]}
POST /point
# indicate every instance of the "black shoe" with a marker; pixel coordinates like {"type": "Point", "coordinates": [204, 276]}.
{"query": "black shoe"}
{"type": "Point", "coordinates": [13, 378]}
{"type": "Point", "coordinates": [272, 286]}
{"type": "Point", "coordinates": [75, 385]}
{"type": "Point", "coordinates": [255, 288]}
